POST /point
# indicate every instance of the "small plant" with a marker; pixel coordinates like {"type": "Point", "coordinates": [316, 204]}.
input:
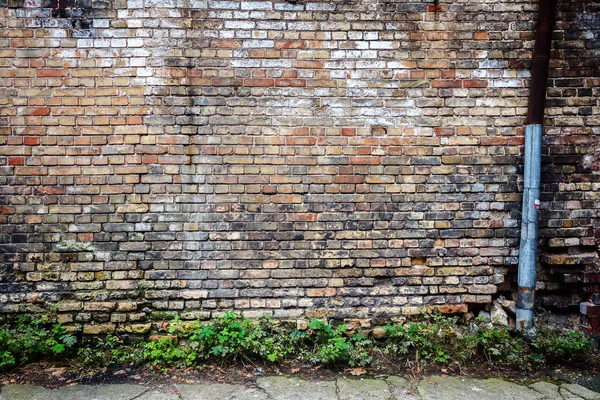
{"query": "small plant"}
{"type": "Point", "coordinates": [553, 346]}
{"type": "Point", "coordinates": [164, 351]}
{"type": "Point", "coordinates": [232, 336]}
{"type": "Point", "coordinates": [109, 350]}
{"type": "Point", "coordinates": [496, 345]}
{"type": "Point", "coordinates": [224, 337]}
{"type": "Point", "coordinates": [328, 345]}
{"type": "Point", "coordinates": [435, 340]}
{"type": "Point", "coordinates": [33, 339]}
{"type": "Point", "coordinates": [269, 341]}
{"type": "Point", "coordinates": [140, 290]}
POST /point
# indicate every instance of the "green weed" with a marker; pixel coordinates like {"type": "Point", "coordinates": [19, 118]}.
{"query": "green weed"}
{"type": "Point", "coordinates": [33, 339]}
{"type": "Point", "coordinates": [435, 339]}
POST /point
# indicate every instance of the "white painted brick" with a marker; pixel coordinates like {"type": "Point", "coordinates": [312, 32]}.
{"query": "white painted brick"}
{"type": "Point", "coordinates": [240, 24]}
{"type": "Point", "coordinates": [270, 25]}
{"type": "Point", "coordinates": [320, 6]}
{"type": "Point", "coordinates": [258, 44]}
{"type": "Point", "coordinates": [135, 23]}
{"type": "Point", "coordinates": [135, 42]}
{"type": "Point", "coordinates": [381, 45]}
{"type": "Point", "coordinates": [225, 5]}
{"type": "Point", "coordinates": [101, 23]}
{"type": "Point", "coordinates": [258, 15]}
{"type": "Point", "coordinates": [257, 5]}
{"type": "Point", "coordinates": [370, 64]}
{"type": "Point", "coordinates": [118, 43]}
{"type": "Point", "coordinates": [226, 34]}
{"type": "Point", "coordinates": [101, 43]}
{"type": "Point", "coordinates": [277, 63]}
{"type": "Point", "coordinates": [144, 72]}
{"type": "Point", "coordinates": [137, 62]}
{"type": "Point", "coordinates": [245, 63]}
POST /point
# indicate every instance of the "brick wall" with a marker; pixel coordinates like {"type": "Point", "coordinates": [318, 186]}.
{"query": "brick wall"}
{"type": "Point", "coordinates": [296, 159]}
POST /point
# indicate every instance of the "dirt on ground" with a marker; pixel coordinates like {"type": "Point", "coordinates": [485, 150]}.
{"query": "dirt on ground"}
{"type": "Point", "coordinates": [54, 375]}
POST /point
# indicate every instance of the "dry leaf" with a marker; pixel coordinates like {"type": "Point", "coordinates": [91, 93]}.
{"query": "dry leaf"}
{"type": "Point", "coordinates": [357, 371]}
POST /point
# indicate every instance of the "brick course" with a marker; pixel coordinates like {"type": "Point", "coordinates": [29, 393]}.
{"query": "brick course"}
{"type": "Point", "coordinates": [296, 159]}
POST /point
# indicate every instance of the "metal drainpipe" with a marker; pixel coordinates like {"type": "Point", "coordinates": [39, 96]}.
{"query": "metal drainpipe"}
{"type": "Point", "coordinates": [533, 163]}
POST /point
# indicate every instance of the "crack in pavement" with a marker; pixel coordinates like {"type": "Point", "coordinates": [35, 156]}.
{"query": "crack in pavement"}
{"type": "Point", "coordinates": [141, 394]}
{"type": "Point", "coordinates": [391, 389]}
{"type": "Point", "coordinates": [269, 397]}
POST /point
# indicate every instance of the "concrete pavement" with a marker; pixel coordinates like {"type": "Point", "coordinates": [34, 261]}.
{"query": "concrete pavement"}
{"type": "Point", "coordinates": [289, 388]}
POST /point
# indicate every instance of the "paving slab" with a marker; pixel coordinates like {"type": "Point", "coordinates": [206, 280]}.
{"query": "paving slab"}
{"type": "Point", "coordinates": [156, 395]}
{"type": "Point", "coordinates": [284, 388]}
{"type": "Point", "coordinates": [220, 392]}
{"type": "Point", "coordinates": [457, 388]}
{"type": "Point", "coordinates": [78, 392]}
{"type": "Point", "coordinates": [362, 389]}
{"type": "Point", "coordinates": [580, 391]}
{"type": "Point", "coordinates": [402, 389]}
{"type": "Point", "coordinates": [566, 395]}
{"type": "Point", "coordinates": [289, 388]}
{"type": "Point", "coordinates": [548, 390]}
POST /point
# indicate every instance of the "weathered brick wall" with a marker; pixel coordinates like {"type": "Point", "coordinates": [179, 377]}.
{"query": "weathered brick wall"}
{"type": "Point", "coordinates": [342, 159]}
{"type": "Point", "coordinates": [570, 214]}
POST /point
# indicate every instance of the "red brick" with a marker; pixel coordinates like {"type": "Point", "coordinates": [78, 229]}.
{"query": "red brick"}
{"type": "Point", "coordinates": [290, 82]}
{"type": "Point", "coordinates": [42, 190]}
{"type": "Point", "coordinates": [31, 140]}
{"type": "Point", "coordinates": [37, 111]}
{"type": "Point", "coordinates": [453, 309]}
{"type": "Point", "coordinates": [589, 309]}
{"type": "Point", "coordinates": [259, 82]}
{"type": "Point", "coordinates": [51, 72]}
{"type": "Point", "coordinates": [7, 210]}
{"type": "Point", "coordinates": [305, 217]}
{"type": "Point", "coordinates": [475, 83]}
{"type": "Point", "coordinates": [226, 82]}
{"type": "Point", "coordinates": [365, 160]}
{"type": "Point", "coordinates": [444, 131]}
{"type": "Point", "coordinates": [269, 190]}
{"type": "Point", "coordinates": [290, 44]}
{"type": "Point", "coordinates": [442, 83]}
{"type": "Point", "coordinates": [348, 179]}
{"type": "Point", "coordinates": [18, 160]}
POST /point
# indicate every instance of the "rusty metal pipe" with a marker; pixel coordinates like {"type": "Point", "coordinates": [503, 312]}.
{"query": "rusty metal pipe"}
{"type": "Point", "coordinates": [541, 61]}
{"type": "Point", "coordinates": [533, 162]}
